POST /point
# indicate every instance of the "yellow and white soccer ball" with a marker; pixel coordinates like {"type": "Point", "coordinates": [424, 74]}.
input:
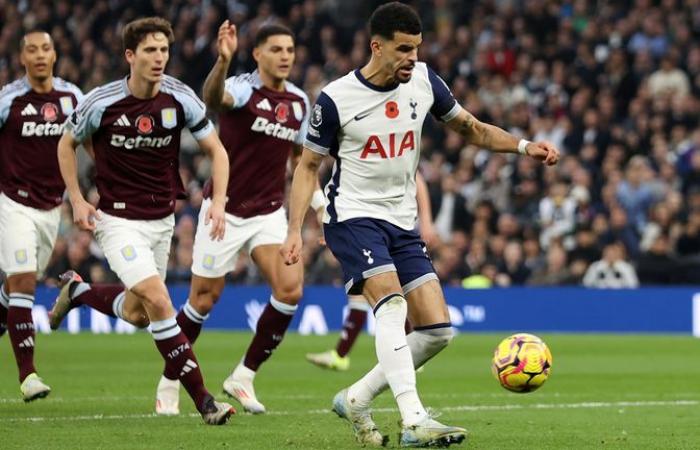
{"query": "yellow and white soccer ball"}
{"type": "Point", "coordinates": [522, 362]}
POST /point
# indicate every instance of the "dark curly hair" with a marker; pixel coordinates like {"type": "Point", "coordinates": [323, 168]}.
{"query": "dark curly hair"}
{"type": "Point", "coordinates": [394, 17]}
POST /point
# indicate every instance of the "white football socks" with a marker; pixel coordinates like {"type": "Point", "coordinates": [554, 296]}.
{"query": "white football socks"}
{"type": "Point", "coordinates": [424, 344]}
{"type": "Point", "coordinates": [395, 358]}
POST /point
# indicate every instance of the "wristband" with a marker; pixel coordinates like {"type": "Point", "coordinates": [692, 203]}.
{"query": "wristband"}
{"type": "Point", "coordinates": [522, 146]}
{"type": "Point", "coordinates": [318, 200]}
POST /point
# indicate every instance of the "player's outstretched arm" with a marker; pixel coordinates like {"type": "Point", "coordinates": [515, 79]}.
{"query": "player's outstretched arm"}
{"type": "Point", "coordinates": [83, 212]}
{"type": "Point", "coordinates": [498, 140]}
{"type": "Point", "coordinates": [303, 184]}
{"type": "Point", "coordinates": [212, 146]}
{"type": "Point", "coordinates": [213, 92]}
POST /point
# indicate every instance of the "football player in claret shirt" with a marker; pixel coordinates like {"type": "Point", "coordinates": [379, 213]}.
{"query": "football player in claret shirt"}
{"type": "Point", "coordinates": [33, 110]}
{"type": "Point", "coordinates": [262, 121]}
{"type": "Point", "coordinates": [370, 121]}
{"type": "Point", "coordinates": [134, 125]}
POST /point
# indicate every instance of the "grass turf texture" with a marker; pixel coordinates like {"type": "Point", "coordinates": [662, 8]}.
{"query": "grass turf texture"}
{"type": "Point", "coordinates": [607, 391]}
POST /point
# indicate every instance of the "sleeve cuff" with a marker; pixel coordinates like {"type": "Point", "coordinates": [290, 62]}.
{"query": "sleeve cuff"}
{"type": "Point", "coordinates": [203, 132]}
{"type": "Point", "coordinates": [316, 148]}
{"type": "Point", "coordinates": [452, 113]}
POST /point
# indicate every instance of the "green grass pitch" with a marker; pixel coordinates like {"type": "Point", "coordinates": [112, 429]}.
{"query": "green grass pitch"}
{"type": "Point", "coordinates": [610, 392]}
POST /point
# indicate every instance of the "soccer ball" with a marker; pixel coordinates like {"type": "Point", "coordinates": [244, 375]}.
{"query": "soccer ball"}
{"type": "Point", "coordinates": [522, 362]}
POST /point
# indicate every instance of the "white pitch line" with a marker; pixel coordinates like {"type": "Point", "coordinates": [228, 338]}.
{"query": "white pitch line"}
{"type": "Point", "coordinates": [461, 408]}
{"type": "Point", "coordinates": [463, 396]}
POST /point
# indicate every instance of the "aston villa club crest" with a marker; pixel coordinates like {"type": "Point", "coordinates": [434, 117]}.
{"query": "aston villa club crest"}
{"type": "Point", "coordinates": [66, 105]}
{"type": "Point", "coordinates": [49, 112]}
{"type": "Point", "coordinates": [144, 124]}
{"type": "Point", "coordinates": [282, 112]}
{"type": "Point", "coordinates": [168, 118]}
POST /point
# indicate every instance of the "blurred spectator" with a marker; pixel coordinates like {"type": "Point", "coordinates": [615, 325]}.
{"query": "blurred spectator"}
{"type": "Point", "coordinates": [669, 80]}
{"type": "Point", "coordinates": [634, 193]}
{"type": "Point", "coordinates": [612, 271]}
{"type": "Point", "coordinates": [689, 241]}
{"type": "Point", "coordinates": [657, 266]}
{"type": "Point", "coordinates": [449, 209]}
{"type": "Point", "coordinates": [586, 245]}
{"type": "Point", "coordinates": [555, 272]}
{"type": "Point", "coordinates": [513, 265]}
{"type": "Point", "coordinates": [557, 214]}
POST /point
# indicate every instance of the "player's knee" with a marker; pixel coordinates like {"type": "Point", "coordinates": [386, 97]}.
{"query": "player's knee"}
{"type": "Point", "coordinates": [448, 336]}
{"type": "Point", "coordinates": [137, 319]}
{"type": "Point", "coordinates": [156, 301]}
{"type": "Point", "coordinates": [438, 338]}
{"type": "Point", "coordinates": [204, 299]}
{"type": "Point", "coordinates": [289, 294]}
{"type": "Point", "coordinates": [23, 283]}
{"type": "Point", "coordinates": [203, 304]}
{"type": "Point", "coordinates": [443, 336]}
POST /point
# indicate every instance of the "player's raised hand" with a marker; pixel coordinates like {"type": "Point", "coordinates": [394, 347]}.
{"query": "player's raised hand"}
{"type": "Point", "coordinates": [216, 215]}
{"type": "Point", "coordinates": [291, 249]}
{"type": "Point", "coordinates": [543, 151]}
{"type": "Point", "coordinates": [227, 40]}
{"type": "Point", "coordinates": [84, 215]}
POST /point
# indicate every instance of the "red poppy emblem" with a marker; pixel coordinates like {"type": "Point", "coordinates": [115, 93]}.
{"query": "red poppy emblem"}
{"type": "Point", "coordinates": [281, 112]}
{"type": "Point", "coordinates": [392, 110]}
{"type": "Point", "coordinates": [49, 112]}
{"type": "Point", "coordinates": [144, 124]}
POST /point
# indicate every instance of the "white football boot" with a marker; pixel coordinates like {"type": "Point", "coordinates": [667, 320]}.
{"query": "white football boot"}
{"type": "Point", "coordinates": [431, 433]}
{"type": "Point", "coordinates": [363, 426]}
{"type": "Point", "coordinates": [239, 385]}
{"type": "Point", "coordinates": [168, 397]}
{"type": "Point", "coordinates": [33, 388]}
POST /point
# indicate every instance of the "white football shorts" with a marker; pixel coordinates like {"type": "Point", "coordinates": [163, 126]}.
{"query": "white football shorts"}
{"type": "Point", "coordinates": [214, 259]}
{"type": "Point", "coordinates": [135, 249]}
{"type": "Point", "coordinates": [27, 236]}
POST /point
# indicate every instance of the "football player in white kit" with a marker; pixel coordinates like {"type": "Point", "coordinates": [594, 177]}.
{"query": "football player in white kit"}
{"type": "Point", "coordinates": [370, 121]}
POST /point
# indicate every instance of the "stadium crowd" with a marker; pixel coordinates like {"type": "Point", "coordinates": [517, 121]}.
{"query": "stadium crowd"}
{"type": "Point", "coordinates": [615, 85]}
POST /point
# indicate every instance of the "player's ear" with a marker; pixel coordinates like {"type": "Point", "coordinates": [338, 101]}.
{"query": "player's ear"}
{"type": "Point", "coordinates": [256, 54]}
{"type": "Point", "coordinates": [129, 55]}
{"type": "Point", "coordinates": [376, 45]}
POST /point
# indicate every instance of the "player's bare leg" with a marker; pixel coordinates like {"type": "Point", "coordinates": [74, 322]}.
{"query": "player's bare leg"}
{"type": "Point", "coordinates": [286, 283]}
{"type": "Point", "coordinates": [428, 313]}
{"type": "Point", "coordinates": [180, 361]}
{"type": "Point", "coordinates": [20, 325]}
{"type": "Point", "coordinates": [204, 293]}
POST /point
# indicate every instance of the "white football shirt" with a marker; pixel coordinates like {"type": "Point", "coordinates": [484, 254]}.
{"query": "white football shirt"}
{"type": "Point", "coordinates": [374, 134]}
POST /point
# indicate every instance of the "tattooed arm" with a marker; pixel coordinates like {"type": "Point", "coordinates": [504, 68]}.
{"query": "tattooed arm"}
{"type": "Point", "coordinates": [498, 140]}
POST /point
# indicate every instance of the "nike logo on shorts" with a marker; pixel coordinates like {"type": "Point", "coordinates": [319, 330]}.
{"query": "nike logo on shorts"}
{"type": "Point", "coordinates": [399, 348]}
